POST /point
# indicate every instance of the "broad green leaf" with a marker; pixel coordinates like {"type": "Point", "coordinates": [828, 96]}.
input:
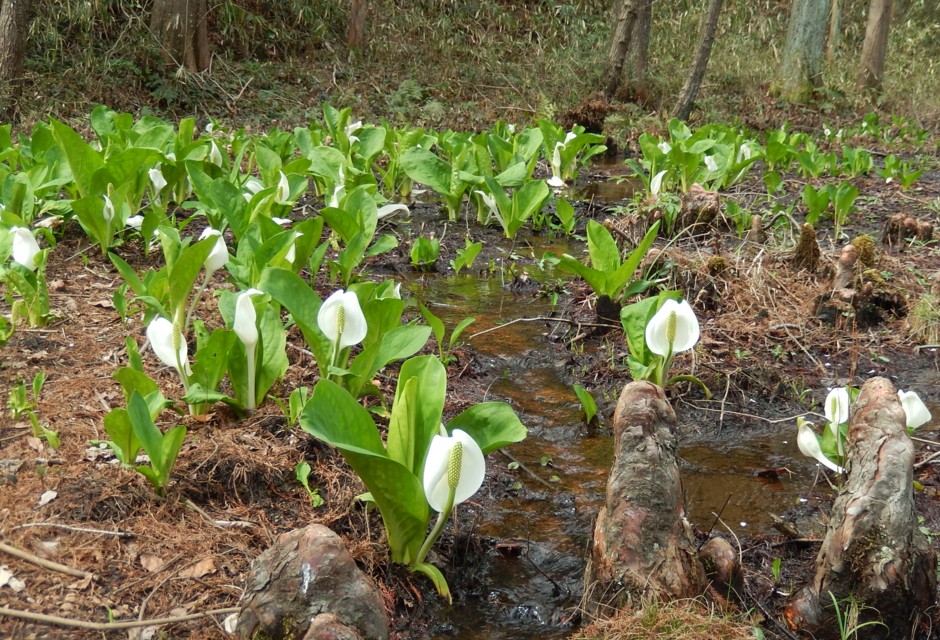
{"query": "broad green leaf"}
{"type": "Point", "coordinates": [82, 159]}
{"type": "Point", "coordinates": [417, 411]}
{"type": "Point", "coordinates": [604, 252]}
{"type": "Point", "coordinates": [117, 424]}
{"type": "Point", "coordinates": [425, 167]}
{"type": "Point", "coordinates": [493, 425]}
{"type": "Point", "coordinates": [298, 298]}
{"type": "Point", "coordinates": [334, 416]}
{"type": "Point", "coordinates": [623, 275]}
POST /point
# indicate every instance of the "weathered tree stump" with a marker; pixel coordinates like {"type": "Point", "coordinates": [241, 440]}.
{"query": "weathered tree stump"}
{"type": "Point", "coordinates": [698, 210]}
{"type": "Point", "coordinates": [872, 551]}
{"type": "Point", "coordinates": [642, 541]}
{"type": "Point", "coordinates": [308, 586]}
{"type": "Point", "coordinates": [807, 254]}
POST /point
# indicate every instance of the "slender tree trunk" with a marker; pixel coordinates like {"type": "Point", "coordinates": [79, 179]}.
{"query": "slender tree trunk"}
{"type": "Point", "coordinates": [641, 45]}
{"type": "Point", "coordinates": [14, 24]}
{"type": "Point", "coordinates": [182, 27]}
{"type": "Point", "coordinates": [623, 14]}
{"type": "Point", "coordinates": [835, 30]}
{"type": "Point", "coordinates": [875, 49]}
{"type": "Point", "coordinates": [800, 71]}
{"type": "Point", "coordinates": [706, 40]}
{"type": "Point", "coordinates": [356, 33]}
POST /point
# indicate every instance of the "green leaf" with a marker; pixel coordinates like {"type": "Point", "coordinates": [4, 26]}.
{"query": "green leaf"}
{"type": "Point", "coordinates": [298, 298]}
{"type": "Point", "coordinates": [83, 161]}
{"type": "Point", "coordinates": [603, 250]}
{"type": "Point", "coordinates": [334, 416]}
{"type": "Point", "coordinates": [440, 583]}
{"type": "Point", "coordinates": [132, 380]}
{"type": "Point", "coordinates": [117, 424]}
{"type": "Point", "coordinates": [416, 411]}
{"type": "Point", "coordinates": [423, 166]}
{"type": "Point", "coordinates": [493, 425]}
{"type": "Point", "coordinates": [183, 273]}
{"type": "Point", "coordinates": [587, 402]}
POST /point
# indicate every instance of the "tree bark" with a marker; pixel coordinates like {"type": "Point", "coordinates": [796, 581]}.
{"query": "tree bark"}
{"type": "Point", "coordinates": [642, 541]}
{"type": "Point", "coordinates": [623, 15]}
{"type": "Point", "coordinates": [800, 70]}
{"type": "Point", "coordinates": [14, 24]}
{"type": "Point", "coordinates": [641, 46]}
{"type": "Point", "coordinates": [835, 30]}
{"type": "Point", "coordinates": [875, 48]}
{"type": "Point", "coordinates": [873, 551]}
{"type": "Point", "coordinates": [706, 39]}
{"type": "Point", "coordinates": [356, 33]}
{"type": "Point", "coordinates": [182, 28]}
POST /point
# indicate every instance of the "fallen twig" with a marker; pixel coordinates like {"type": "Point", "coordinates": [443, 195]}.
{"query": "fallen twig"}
{"type": "Point", "coordinates": [602, 325]}
{"type": "Point", "coordinates": [110, 626]}
{"type": "Point", "coordinates": [68, 527]}
{"type": "Point", "coordinates": [48, 564]}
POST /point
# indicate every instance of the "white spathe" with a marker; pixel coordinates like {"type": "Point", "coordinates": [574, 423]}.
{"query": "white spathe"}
{"type": "Point", "coordinates": [837, 405]}
{"type": "Point", "coordinates": [245, 324]}
{"type": "Point", "coordinates": [215, 156]}
{"type": "Point", "coordinates": [218, 257]}
{"type": "Point", "coordinates": [472, 469]}
{"type": "Point", "coordinates": [342, 308]}
{"type": "Point", "coordinates": [684, 324]}
{"type": "Point", "coordinates": [157, 179]}
{"type": "Point", "coordinates": [283, 189]}
{"type": "Point", "coordinates": [390, 210]}
{"type": "Point", "coordinates": [108, 210]}
{"type": "Point", "coordinates": [25, 247]}
{"type": "Point", "coordinates": [160, 335]}
{"type": "Point", "coordinates": [711, 164]}
{"type": "Point", "coordinates": [916, 412]}
{"type": "Point", "coordinates": [657, 182]}
{"type": "Point", "coordinates": [665, 147]}
{"type": "Point", "coordinates": [809, 446]}
{"type": "Point", "coordinates": [837, 412]}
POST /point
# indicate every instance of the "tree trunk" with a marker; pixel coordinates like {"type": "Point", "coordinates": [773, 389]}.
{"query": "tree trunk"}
{"type": "Point", "coordinates": [800, 71]}
{"type": "Point", "coordinates": [182, 28]}
{"type": "Point", "coordinates": [641, 47]}
{"type": "Point", "coordinates": [356, 33]}
{"type": "Point", "coordinates": [835, 30]}
{"type": "Point", "coordinates": [14, 24]}
{"type": "Point", "coordinates": [706, 39]}
{"type": "Point", "coordinates": [873, 551]}
{"type": "Point", "coordinates": [875, 48]}
{"type": "Point", "coordinates": [623, 14]}
{"type": "Point", "coordinates": [642, 541]}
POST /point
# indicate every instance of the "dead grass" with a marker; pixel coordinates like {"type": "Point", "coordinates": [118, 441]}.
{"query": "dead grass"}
{"type": "Point", "coordinates": [679, 620]}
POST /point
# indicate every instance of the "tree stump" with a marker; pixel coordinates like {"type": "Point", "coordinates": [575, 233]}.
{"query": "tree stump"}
{"type": "Point", "coordinates": [872, 551]}
{"type": "Point", "coordinates": [308, 586]}
{"type": "Point", "coordinates": [642, 541]}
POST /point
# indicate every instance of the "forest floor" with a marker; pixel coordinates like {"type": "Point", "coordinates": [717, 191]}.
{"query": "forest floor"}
{"type": "Point", "coordinates": [136, 556]}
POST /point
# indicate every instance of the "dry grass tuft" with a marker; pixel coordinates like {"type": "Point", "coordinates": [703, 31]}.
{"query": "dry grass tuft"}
{"type": "Point", "coordinates": [680, 620]}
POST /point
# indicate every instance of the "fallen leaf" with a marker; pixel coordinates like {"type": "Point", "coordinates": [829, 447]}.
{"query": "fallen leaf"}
{"type": "Point", "coordinates": [48, 549]}
{"type": "Point", "coordinates": [104, 304]}
{"type": "Point", "coordinates": [7, 579]}
{"type": "Point", "coordinates": [47, 497]}
{"type": "Point", "coordinates": [151, 562]}
{"type": "Point", "coordinates": [84, 583]}
{"type": "Point", "coordinates": [200, 569]}
{"type": "Point", "coordinates": [35, 443]}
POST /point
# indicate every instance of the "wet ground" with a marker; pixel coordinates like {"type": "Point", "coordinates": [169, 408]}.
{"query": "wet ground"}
{"type": "Point", "coordinates": [516, 557]}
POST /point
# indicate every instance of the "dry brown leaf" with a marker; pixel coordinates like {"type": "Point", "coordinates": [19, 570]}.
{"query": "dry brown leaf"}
{"type": "Point", "coordinates": [202, 568]}
{"type": "Point", "coordinates": [151, 562]}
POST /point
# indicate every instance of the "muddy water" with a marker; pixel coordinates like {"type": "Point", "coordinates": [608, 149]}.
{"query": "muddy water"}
{"type": "Point", "coordinates": [549, 520]}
